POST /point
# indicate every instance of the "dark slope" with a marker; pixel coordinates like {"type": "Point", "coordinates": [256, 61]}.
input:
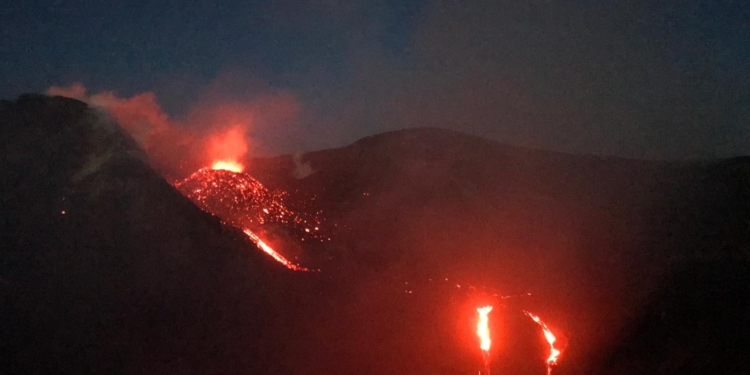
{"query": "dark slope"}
{"type": "Point", "coordinates": [697, 324]}
{"type": "Point", "coordinates": [105, 268]}
{"type": "Point", "coordinates": [597, 240]}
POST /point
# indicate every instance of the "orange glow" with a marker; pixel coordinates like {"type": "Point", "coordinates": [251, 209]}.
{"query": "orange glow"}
{"type": "Point", "coordinates": [550, 337]}
{"type": "Point", "coordinates": [228, 165]}
{"type": "Point", "coordinates": [483, 329]}
{"type": "Point", "coordinates": [227, 149]}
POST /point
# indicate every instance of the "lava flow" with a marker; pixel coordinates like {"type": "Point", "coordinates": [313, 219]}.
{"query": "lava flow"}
{"type": "Point", "coordinates": [242, 201]}
{"type": "Point", "coordinates": [483, 331]}
{"type": "Point", "coordinates": [270, 251]}
{"type": "Point", "coordinates": [554, 353]}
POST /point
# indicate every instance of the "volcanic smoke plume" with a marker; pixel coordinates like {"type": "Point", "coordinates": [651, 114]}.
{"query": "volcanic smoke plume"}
{"type": "Point", "coordinates": [215, 132]}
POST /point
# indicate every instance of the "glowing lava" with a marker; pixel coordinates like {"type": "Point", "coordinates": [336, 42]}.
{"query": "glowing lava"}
{"type": "Point", "coordinates": [483, 331]}
{"type": "Point", "coordinates": [270, 251]}
{"type": "Point", "coordinates": [228, 165]}
{"type": "Point", "coordinates": [554, 353]}
{"type": "Point", "coordinates": [482, 328]}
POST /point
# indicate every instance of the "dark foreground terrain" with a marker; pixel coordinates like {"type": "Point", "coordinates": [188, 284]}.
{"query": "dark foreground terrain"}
{"type": "Point", "coordinates": [605, 245]}
{"type": "Point", "coordinates": [641, 267]}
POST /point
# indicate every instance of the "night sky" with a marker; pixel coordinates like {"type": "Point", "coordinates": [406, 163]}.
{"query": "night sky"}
{"type": "Point", "coordinates": [643, 79]}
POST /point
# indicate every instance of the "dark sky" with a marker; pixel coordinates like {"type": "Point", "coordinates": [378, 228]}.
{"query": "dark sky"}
{"type": "Point", "coordinates": [645, 79]}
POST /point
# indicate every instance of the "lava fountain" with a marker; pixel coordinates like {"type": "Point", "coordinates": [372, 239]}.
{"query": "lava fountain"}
{"type": "Point", "coordinates": [226, 149]}
{"type": "Point", "coordinates": [483, 331]}
{"type": "Point", "coordinates": [550, 337]}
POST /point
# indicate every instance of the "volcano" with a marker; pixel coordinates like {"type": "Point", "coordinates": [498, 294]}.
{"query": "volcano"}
{"type": "Point", "coordinates": [108, 268]}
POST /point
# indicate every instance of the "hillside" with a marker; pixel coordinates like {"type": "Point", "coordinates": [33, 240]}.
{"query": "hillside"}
{"type": "Point", "coordinates": [596, 240]}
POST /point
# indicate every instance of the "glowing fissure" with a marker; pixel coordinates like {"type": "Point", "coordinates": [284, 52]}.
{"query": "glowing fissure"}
{"type": "Point", "coordinates": [550, 337]}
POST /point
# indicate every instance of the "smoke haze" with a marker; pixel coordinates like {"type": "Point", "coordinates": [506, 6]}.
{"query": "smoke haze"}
{"type": "Point", "coordinates": [651, 81]}
{"type": "Point", "coordinates": [216, 128]}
